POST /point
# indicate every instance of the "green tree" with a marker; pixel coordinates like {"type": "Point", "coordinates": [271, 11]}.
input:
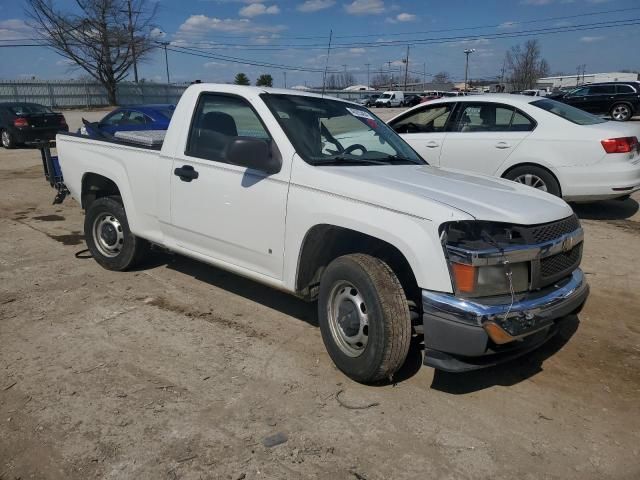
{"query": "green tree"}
{"type": "Point", "coordinates": [264, 80]}
{"type": "Point", "coordinates": [241, 79]}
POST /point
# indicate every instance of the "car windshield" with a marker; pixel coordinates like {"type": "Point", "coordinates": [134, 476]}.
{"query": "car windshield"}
{"type": "Point", "coordinates": [167, 111]}
{"type": "Point", "coordinates": [385, 95]}
{"type": "Point", "coordinates": [327, 131]}
{"type": "Point", "coordinates": [572, 114]}
{"type": "Point", "coordinates": [28, 108]}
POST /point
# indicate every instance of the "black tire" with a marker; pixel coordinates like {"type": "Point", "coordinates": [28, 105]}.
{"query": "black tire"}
{"type": "Point", "coordinates": [7, 140]}
{"type": "Point", "coordinates": [129, 250]}
{"type": "Point", "coordinates": [621, 112]}
{"type": "Point", "coordinates": [389, 324]}
{"type": "Point", "coordinates": [519, 174]}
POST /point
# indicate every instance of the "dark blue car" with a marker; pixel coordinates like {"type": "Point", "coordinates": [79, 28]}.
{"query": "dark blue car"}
{"type": "Point", "coordinates": [136, 117]}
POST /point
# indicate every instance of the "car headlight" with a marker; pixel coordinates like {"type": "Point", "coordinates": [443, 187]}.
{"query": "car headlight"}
{"type": "Point", "coordinates": [468, 243]}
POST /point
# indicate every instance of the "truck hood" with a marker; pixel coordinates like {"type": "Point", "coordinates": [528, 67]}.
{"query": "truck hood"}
{"type": "Point", "coordinates": [408, 188]}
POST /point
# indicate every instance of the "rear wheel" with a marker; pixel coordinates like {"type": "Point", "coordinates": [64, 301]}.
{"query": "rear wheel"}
{"type": "Point", "coordinates": [364, 317]}
{"type": "Point", "coordinates": [535, 177]}
{"type": "Point", "coordinates": [108, 236]}
{"type": "Point", "coordinates": [7, 139]}
{"type": "Point", "coordinates": [621, 112]}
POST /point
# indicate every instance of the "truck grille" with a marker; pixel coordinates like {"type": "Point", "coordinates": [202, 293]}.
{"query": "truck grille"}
{"type": "Point", "coordinates": [551, 231]}
{"type": "Point", "coordinates": [560, 264]}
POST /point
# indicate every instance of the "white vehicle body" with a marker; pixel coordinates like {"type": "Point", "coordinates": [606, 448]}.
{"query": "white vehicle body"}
{"type": "Point", "coordinates": [391, 98]}
{"type": "Point", "coordinates": [572, 153]}
{"type": "Point", "coordinates": [261, 225]}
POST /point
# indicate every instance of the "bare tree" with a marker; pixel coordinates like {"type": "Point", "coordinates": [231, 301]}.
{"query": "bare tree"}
{"type": "Point", "coordinates": [441, 78]}
{"type": "Point", "coordinates": [100, 37]}
{"type": "Point", "coordinates": [526, 65]}
{"type": "Point", "coordinates": [338, 81]}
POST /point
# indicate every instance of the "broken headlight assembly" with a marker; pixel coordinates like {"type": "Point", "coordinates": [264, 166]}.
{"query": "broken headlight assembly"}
{"type": "Point", "coordinates": [483, 258]}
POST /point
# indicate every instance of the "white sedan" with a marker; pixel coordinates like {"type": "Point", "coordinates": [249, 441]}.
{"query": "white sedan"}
{"type": "Point", "coordinates": [532, 140]}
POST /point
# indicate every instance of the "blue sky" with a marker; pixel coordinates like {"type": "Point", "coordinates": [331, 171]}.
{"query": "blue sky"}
{"type": "Point", "coordinates": [294, 33]}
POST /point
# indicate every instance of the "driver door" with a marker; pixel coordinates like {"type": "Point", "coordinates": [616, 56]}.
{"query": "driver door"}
{"type": "Point", "coordinates": [425, 129]}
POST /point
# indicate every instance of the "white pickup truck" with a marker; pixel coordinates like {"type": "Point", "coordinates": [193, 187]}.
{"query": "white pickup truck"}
{"type": "Point", "coordinates": [320, 198]}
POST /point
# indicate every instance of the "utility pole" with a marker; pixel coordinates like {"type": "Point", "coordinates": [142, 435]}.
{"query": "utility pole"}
{"type": "Point", "coordinates": [367, 65]}
{"type": "Point", "coordinates": [504, 66]}
{"type": "Point", "coordinates": [390, 76]}
{"type": "Point", "coordinates": [285, 78]}
{"type": "Point", "coordinates": [166, 60]}
{"type": "Point", "coordinates": [466, 66]}
{"type": "Point", "coordinates": [424, 76]}
{"type": "Point", "coordinates": [130, 13]}
{"type": "Point", "coordinates": [406, 69]}
{"type": "Point", "coordinates": [344, 77]}
{"type": "Point", "coordinates": [326, 65]}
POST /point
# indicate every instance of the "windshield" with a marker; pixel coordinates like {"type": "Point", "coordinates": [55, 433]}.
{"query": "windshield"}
{"type": "Point", "coordinates": [325, 131]}
{"type": "Point", "coordinates": [572, 114]}
{"type": "Point", "coordinates": [27, 108]}
{"type": "Point", "coordinates": [385, 95]}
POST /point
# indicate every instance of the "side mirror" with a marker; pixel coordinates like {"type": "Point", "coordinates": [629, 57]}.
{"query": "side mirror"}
{"type": "Point", "coordinates": [254, 153]}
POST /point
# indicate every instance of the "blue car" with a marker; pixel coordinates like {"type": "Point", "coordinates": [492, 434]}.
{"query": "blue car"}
{"type": "Point", "coordinates": [136, 117]}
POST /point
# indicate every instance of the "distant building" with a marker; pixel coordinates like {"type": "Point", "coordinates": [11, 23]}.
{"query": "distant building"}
{"type": "Point", "coordinates": [552, 83]}
{"type": "Point", "coordinates": [355, 88]}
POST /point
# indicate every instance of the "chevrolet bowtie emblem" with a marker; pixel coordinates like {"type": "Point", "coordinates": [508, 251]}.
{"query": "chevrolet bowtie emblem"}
{"type": "Point", "coordinates": [567, 244]}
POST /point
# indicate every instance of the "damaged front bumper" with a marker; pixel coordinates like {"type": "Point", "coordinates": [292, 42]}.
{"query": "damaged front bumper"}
{"type": "Point", "coordinates": [463, 334]}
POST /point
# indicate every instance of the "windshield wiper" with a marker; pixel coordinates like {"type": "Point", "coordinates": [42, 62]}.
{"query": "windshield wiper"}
{"type": "Point", "coordinates": [399, 159]}
{"type": "Point", "coordinates": [340, 159]}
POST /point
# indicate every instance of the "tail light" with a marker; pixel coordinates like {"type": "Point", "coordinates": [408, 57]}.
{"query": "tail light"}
{"type": "Point", "coordinates": [20, 122]}
{"type": "Point", "coordinates": [620, 145]}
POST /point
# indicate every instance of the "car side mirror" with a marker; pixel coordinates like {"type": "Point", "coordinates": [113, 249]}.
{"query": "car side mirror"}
{"type": "Point", "coordinates": [254, 153]}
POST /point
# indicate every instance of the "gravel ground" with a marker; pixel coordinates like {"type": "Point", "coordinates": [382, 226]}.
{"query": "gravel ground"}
{"type": "Point", "coordinates": [180, 370]}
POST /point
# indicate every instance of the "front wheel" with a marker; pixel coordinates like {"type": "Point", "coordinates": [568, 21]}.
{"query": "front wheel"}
{"type": "Point", "coordinates": [535, 177]}
{"type": "Point", "coordinates": [108, 237]}
{"type": "Point", "coordinates": [621, 112]}
{"type": "Point", "coordinates": [364, 317]}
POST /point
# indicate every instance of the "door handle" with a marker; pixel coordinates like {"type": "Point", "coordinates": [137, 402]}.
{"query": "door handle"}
{"type": "Point", "coordinates": [503, 145]}
{"type": "Point", "coordinates": [186, 173]}
{"type": "Point", "coordinates": [432, 144]}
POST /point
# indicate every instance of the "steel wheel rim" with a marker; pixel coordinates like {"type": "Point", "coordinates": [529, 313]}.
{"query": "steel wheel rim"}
{"type": "Point", "coordinates": [5, 139]}
{"type": "Point", "coordinates": [531, 180]}
{"type": "Point", "coordinates": [108, 235]}
{"type": "Point", "coordinates": [348, 319]}
{"type": "Point", "coordinates": [620, 112]}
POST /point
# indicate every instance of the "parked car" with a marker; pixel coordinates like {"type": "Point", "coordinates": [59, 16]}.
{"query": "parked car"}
{"type": "Point", "coordinates": [533, 92]}
{"type": "Point", "coordinates": [620, 100]}
{"type": "Point", "coordinates": [392, 98]}
{"type": "Point", "coordinates": [138, 117]}
{"type": "Point", "coordinates": [318, 197]}
{"type": "Point", "coordinates": [536, 141]}
{"type": "Point", "coordinates": [368, 100]}
{"type": "Point", "coordinates": [24, 123]}
{"type": "Point", "coordinates": [411, 100]}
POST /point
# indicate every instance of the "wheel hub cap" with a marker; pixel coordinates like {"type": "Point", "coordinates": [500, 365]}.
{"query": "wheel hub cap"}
{"type": "Point", "coordinates": [108, 235]}
{"type": "Point", "coordinates": [348, 319]}
{"type": "Point", "coordinates": [532, 180]}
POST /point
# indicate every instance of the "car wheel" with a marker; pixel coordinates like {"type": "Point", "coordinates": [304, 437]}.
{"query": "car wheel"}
{"type": "Point", "coordinates": [364, 317]}
{"type": "Point", "coordinates": [535, 177]}
{"type": "Point", "coordinates": [7, 139]}
{"type": "Point", "coordinates": [621, 112]}
{"type": "Point", "coordinates": [108, 236]}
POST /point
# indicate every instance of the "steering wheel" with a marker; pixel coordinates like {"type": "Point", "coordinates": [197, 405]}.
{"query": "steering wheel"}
{"type": "Point", "coordinates": [353, 147]}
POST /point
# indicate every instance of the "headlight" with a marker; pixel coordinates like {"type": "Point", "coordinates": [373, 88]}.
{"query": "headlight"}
{"type": "Point", "coordinates": [467, 243]}
{"type": "Point", "coordinates": [490, 280]}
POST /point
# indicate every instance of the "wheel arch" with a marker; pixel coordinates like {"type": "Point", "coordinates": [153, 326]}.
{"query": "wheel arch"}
{"type": "Point", "coordinates": [533, 164]}
{"type": "Point", "coordinates": [94, 186]}
{"type": "Point", "coordinates": [324, 242]}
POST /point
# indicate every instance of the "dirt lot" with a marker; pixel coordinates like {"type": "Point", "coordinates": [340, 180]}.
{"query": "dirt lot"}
{"type": "Point", "coordinates": [179, 370]}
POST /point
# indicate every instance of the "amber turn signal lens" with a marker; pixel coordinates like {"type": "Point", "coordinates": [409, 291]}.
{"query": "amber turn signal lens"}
{"type": "Point", "coordinates": [497, 334]}
{"type": "Point", "coordinates": [465, 277]}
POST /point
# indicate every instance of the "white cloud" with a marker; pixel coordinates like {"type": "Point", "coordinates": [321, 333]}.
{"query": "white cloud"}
{"type": "Point", "coordinates": [470, 43]}
{"type": "Point", "coordinates": [537, 2]}
{"type": "Point", "coordinates": [508, 24]}
{"type": "Point", "coordinates": [357, 50]}
{"type": "Point", "coordinates": [255, 9]}
{"type": "Point", "coordinates": [365, 7]}
{"type": "Point", "coordinates": [315, 5]}
{"type": "Point", "coordinates": [198, 26]}
{"type": "Point", "coordinates": [588, 39]}
{"type": "Point", "coordinates": [213, 64]}
{"type": "Point", "coordinates": [65, 62]}
{"type": "Point", "coordinates": [406, 17]}
{"type": "Point", "coordinates": [15, 29]}
{"type": "Point", "coordinates": [157, 34]}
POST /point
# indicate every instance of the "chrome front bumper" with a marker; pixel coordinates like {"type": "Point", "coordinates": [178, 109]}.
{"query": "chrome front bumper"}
{"type": "Point", "coordinates": [466, 334]}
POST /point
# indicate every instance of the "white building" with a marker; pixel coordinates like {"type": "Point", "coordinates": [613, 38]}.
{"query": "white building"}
{"type": "Point", "coordinates": [356, 88]}
{"type": "Point", "coordinates": [573, 80]}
